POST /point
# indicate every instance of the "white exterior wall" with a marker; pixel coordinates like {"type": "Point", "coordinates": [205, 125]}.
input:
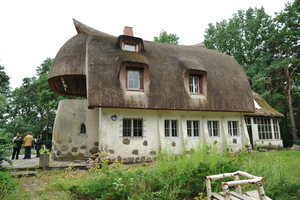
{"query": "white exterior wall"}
{"type": "Point", "coordinates": [111, 135]}
{"type": "Point", "coordinates": [104, 134]}
{"type": "Point", "coordinates": [67, 142]}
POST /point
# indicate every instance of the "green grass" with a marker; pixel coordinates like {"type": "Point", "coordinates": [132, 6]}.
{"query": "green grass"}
{"type": "Point", "coordinates": [170, 177]}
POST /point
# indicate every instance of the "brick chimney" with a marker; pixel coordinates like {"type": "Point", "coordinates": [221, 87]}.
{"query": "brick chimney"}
{"type": "Point", "coordinates": [128, 31]}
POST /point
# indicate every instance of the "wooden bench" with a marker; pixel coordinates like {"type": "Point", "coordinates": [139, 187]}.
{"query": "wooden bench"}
{"type": "Point", "coordinates": [258, 194]}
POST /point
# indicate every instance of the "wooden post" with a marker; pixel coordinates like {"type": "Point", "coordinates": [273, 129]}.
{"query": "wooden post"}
{"type": "Point", "coordinates": [238, 188]}
{"type": "Point", "coordinates": [208, 188]}
{"type": "Point", "coordinates": [261, 191]}
{"type": "Point", "coordinates": [226, 192]}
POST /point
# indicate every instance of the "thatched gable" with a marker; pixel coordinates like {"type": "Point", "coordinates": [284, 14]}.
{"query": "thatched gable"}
{"type": "Point", "coordinates": [91, 65]}
{"type": "Point", "coordinates": [265, 109]}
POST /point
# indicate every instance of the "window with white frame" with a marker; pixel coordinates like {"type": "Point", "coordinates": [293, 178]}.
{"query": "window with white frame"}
{"type": "Point", "coordinates": [134, 79]}
{"type": "Point", "coordinates": [233, 128]}
{"type": "Point", "coordinates": [132, 127]}
{"type": "Point", "coordinates": [213, 128]}
{"type": "Point", "coordinates": [129, 47]}
{"type": "Point", "coordinates": [275, 128]}
{"type": "Point", "coordinates": [194, 83]}
{"type": "Point", "coordinates": [170, 128]}
{"type": "Point", "coordinates": [193, 128]}
{"type": "Point", "coordinates": [264, 127]}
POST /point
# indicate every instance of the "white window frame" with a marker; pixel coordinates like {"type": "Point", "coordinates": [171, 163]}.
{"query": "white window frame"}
{"type": "Point", "coordinates": [194, 84]}
{"type": "Point", "coordinates": [192, 128]}
{"type": "Point", "coordinates": [264, 128]}
{"type": "Point", "coordinates": [276, 129]}
{"type": "Point", "coordinates": [134, 128]}
{"type": "Point", "coordinates": [130, 47]}
{"type": "Point", "coordinates": [171, 128]}
{"type": "Point", "coordinates": [213, 128]}
{"type": "Point", "coordinates": [233, 128]}
{"type": "Point", "coordinates": [134, 82]}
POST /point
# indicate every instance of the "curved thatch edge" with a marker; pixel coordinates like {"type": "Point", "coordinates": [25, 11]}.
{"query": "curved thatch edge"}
{"type": "Point", "coordinates": [266, 110]}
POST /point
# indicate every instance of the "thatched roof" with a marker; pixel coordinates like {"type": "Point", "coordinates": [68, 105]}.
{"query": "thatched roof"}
{"type": "Point", "coordinates": [264, 108]}
{"type": "Point", "coordinates": [89, 65]}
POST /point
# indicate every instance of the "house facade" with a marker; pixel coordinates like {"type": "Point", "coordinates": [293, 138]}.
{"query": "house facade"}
{"type": "Point", "coordinates": [141, 97]}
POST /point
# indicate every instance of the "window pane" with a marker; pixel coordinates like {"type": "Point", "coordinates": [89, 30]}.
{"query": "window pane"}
{"type": "Point", "coordinates": [194, 84]}
{"type": "Point", "coordinates": [129, 47]}
{"type": "Point", "coordinates": [167, 128]}
{"type": "Point", "coordinates": [189, 128]}
{"type": "Point", "coordinates": [126, 127]}
{"type": "Point", "coordinates": [133, 79]}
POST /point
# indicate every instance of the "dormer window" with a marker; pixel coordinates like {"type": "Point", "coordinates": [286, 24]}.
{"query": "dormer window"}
{"type": "Point", "coordinates": [194, 83]}
{"type": "Point", "coordinates": [130, 47]}
{"type": "Point", "coordinates": [134, 78]}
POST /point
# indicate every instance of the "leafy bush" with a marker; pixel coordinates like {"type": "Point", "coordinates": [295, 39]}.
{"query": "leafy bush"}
{"type": "Point", "coordinates": [297, 142]}
{"type": "Point", "coordinates": [7, 184]}
{"type": "Point", "coordinates": [171, 177]}
{"type": "Point", "coordinates": [5, 145]}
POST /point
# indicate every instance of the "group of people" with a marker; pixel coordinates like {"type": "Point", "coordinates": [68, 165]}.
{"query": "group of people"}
{"type": "Point", "coordinates": [28, 142]}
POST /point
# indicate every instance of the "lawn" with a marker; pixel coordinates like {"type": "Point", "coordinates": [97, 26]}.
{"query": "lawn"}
{"type": "Point", "coordinates": [60, 184]}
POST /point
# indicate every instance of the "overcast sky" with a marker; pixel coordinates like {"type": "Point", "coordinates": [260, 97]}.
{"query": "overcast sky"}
{"type": "Point", "coordinates": [33, 30]}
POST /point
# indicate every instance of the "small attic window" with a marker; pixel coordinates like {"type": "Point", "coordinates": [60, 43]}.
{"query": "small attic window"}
{"type": "Point", "coordinates": [130, 47]}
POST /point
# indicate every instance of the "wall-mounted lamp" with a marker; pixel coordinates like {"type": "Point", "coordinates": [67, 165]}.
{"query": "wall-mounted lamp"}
{"type": "Point", "coordinates": [114, 117]}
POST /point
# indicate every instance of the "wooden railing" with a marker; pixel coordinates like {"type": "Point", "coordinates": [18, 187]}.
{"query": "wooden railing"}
{"type": "Point", "coordinates": [237, 194]}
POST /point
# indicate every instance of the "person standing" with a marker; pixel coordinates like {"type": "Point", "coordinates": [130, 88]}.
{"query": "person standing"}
{"type": "Point", "coordinates": [18, 145]}
{"type": "Point", "coordinates": [27, 145]}
{"type": "Point", "coordinates": [38, 145]}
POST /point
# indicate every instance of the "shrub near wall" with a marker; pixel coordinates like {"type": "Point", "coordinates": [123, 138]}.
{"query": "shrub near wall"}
{"type": "Point", "coordinates": [171, 177]}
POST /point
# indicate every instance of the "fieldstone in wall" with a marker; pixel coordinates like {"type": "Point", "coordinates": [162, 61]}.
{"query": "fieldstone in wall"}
{"type": "Point", "coordinates": [82, 147]}
{"type": "Point", "coordinates": [137, 159]}
{"type": "Point", "coordinates": [64, 148]}
{"type": "Point", "coordinates": [94, 150]}
{"type": "Point", "coordinates": [135, 152]}
{"type": "Point", "coordinates": [81, 156]}
{"type": "Point", "coordinates": [130, 159]}
{"type": "Point", "coordinates": [173, 144]}
{"type": "Point", "coordinates": [148, 159]}
{"type": "Point", "coordinates": [119, 159]}
{"type": "Point", "coordinates": [145, 143]}
{"type": "Point", "coordinates": [96, 144]}
{"type": "Point", "coordinates": [58, 153]}
{"type": "Point", "coordinates": [152, 152]}
{"type": "Point", "coordinates": [126, 141]}
{"type": "Point", "coordinates": [74, 149]}
{"type": "Point", "coordinates": [111, 151]}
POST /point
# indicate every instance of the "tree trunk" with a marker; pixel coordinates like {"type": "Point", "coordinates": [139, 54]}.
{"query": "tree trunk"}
{"type": "Point", "coordinates": [293, 124]}
{"type": "Point", "coordinates": [291, 109]}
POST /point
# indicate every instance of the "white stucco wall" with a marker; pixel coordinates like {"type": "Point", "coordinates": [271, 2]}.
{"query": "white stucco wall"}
{"type": "Point", "coordinates": [104, 134]}
{"type": "Point", "coordinates": [67, 142]}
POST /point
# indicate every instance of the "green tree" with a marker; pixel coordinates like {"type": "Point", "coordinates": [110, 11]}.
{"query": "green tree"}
{"type": "Point", "coordinates": [243, 37]}
{"type": "Point", "coordinates": [164, 37]}
{"type": "Point", "coordinates": [284, 71]}
{"type": "Point", "coordinates": [4, 82]}
{"type": "Point", "coordinates": [5, 145]}
{"type": "Point", "coordinates": [268, 50]}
